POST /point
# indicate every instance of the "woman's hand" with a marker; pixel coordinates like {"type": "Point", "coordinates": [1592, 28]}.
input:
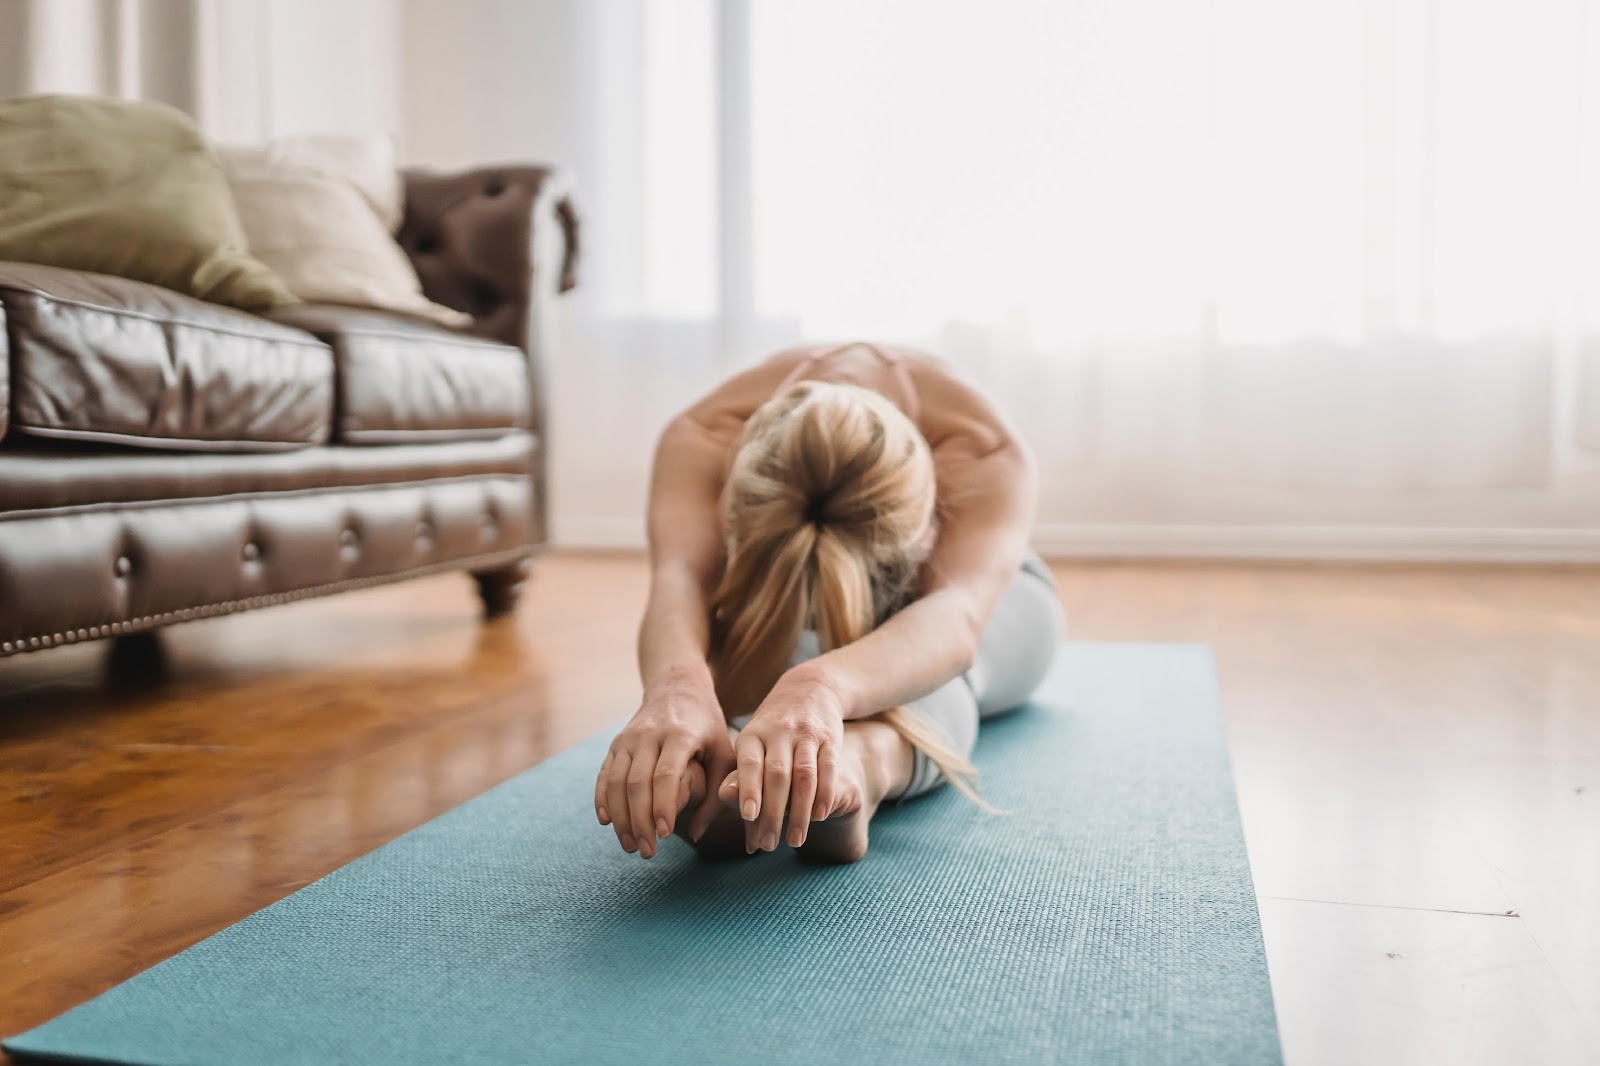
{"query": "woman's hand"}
{"type": "Point", "coordinates": [648, 774]}
{"type": "Point", "coordinates": [786, 759]}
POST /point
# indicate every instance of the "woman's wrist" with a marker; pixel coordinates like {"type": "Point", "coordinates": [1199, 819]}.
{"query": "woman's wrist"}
{"type": "Point", "coordinates": [681, 678]}
{"type": "Point", "coordinates": [820, 673]}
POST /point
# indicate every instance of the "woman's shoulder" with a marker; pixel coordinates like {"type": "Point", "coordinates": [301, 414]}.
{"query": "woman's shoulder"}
{"type": "Point", "coordinates": [956, 412]}
{"type": "Point", "coordinates": [730, 404]}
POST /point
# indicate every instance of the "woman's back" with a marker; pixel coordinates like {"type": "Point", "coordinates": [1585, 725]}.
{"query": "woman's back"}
{"type": "Point", "coordinates": [956, 419]}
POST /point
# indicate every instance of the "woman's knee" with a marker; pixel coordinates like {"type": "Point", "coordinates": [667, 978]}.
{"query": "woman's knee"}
{"type": "Point", "coordinates": [1019, 644]}
{"type": "Point", "coordinates": [953, 711]}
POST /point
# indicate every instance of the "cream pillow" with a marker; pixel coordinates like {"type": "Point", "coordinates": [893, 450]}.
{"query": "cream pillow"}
{"type": "Point", "coordinates": [307, 219]}
{"type": "Point", "coordinates": [368, 162]}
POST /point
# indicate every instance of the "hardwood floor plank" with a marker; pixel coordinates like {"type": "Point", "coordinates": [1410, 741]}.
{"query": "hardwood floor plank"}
{"type": "Point", "coordinates": [1380, 986]}
{"type": "Point", "coordinates": [85, 768]}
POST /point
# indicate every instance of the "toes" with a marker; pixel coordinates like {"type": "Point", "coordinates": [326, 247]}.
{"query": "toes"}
{"type": "Point", "coordinates": [693, 786]}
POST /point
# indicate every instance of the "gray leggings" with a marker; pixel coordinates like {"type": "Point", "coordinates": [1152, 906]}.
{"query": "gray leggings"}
{"type": "Point", "coordinates": [1013, 655]}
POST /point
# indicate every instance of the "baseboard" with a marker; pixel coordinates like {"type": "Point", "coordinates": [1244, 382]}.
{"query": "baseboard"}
{"type": "Point", "coordinates": [1356, 543]}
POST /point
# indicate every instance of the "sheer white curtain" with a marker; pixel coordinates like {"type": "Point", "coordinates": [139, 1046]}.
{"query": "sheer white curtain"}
{"type": "Point", "coordinates": [247, 70]}
{"type": "Point", "coordinates": [1317, 277]}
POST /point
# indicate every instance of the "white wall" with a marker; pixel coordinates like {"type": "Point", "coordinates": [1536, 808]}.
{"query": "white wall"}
{"type": "Point", "coordinates": [333, 66]}
{"type": "Point", "coordinates": [478, 89]}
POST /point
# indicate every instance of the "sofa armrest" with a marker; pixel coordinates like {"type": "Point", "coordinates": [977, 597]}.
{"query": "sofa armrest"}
{"type": "Point", "coordinates": [495, 242]}
{"type": "Point", "coordinates": [499, 243]}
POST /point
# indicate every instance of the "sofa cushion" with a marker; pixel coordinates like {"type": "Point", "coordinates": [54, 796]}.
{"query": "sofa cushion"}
{"type": "Point", "coordinates": [400, 379]}
{"type": "Point", "coordinates": [94, 357]}
{"type": "Point", "coordinates": [5, 373]}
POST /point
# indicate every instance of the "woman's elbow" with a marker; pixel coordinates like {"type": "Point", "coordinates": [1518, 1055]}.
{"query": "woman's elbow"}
{"type": "Point", "coordinates": [969, 632]}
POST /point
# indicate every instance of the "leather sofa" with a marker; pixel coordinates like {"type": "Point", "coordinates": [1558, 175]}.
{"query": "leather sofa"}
{"type": "Point", "coordinates": [164, 459]}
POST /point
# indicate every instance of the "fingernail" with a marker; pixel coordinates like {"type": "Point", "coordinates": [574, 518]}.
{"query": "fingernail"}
{"type": "Point", "coordinates": [818, 812]}
{"type": "Point", "coordinates": [769, 842]}
{"type": "Point", "coordinates": [694, 837]}
{"type": "Point", "coordinates": [605, 816]}
{"type": "Point", "coordinates": [749, 810]}
{"type": "Point", "coordinates": [629, 844]}
{"type": "Point", "coordinates": [796, 838]}
{"type": "Point", "coordinates": [663, 829]}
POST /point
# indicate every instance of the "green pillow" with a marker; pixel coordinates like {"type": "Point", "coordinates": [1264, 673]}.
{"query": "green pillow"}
{"type": "Point", "coordinates": [126, 189]}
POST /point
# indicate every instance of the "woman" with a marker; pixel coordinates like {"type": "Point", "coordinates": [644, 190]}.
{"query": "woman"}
{"type": "Point", "coordinates": [840, 589]}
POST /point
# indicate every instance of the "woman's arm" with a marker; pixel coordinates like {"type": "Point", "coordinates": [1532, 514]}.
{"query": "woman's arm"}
{"type": "Point", "coordinates": [685, 551]}
{"type": "Point", "coordinates": [640, 787]}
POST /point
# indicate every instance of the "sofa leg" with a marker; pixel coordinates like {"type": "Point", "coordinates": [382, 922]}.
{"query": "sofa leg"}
{"type": "Point", "coordinates": [137, 661]}
{"type": "Point", "coordinates": [500, 587]}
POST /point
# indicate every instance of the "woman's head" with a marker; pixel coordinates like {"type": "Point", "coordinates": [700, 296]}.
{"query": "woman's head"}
{"type": "Point", "coordinates": [836, 472]}
{"type": "Point", "coordinates": [828, 514]}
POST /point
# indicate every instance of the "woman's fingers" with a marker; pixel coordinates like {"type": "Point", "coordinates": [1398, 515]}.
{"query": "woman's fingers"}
{"type": "Point", "coordinates": [601, 782]}
{"type": "Point", "coordinates": [750, 757]}
{"type": "Point", "coordinates": [617, 800]}
{"type": "Point", "coordinates": [826, 763]}
{"type": "Point", "coordinates": [803, 791]}
{"type": "Point", "coordinates": [774, 793]}
{"type": "Point", "coordinates": [667, 782]}
{"type": "Point", "coordinates": [641, 778]}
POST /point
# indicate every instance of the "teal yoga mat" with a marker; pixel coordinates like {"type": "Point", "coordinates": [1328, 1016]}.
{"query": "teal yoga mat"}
{"type": "Point", "coordinates": [1111, 919]}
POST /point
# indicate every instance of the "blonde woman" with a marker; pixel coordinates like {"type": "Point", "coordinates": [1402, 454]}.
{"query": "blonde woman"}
{"type": "Point", "coordinates": [841, 589]}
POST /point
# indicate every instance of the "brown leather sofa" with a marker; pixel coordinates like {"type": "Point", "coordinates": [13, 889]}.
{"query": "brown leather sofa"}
{"type": "Point", "coordinates": [164, 459]}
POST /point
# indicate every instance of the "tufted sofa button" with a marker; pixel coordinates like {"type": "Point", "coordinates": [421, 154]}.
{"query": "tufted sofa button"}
{"type": "Point", "coordinates": [251, 551]}
{"type": "Point", "coordinates": [424, 536]}
{"type": "Point", "coordinates": [426, 244]}
{"type": "Point", "coordinates": [494, 187]}
{"type": "Point", "coordinates": [484, 298]}
{"type": "Point", "coordinates": [349, 544]}
{"type": "Point", "coordinates": [123, 566]}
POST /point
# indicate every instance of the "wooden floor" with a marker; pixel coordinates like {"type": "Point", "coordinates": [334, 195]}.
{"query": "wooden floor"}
{"type": "Point", "coordinates": [1417, 754]}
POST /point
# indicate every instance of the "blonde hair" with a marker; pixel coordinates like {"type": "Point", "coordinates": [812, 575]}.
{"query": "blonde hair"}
{"type": "Point", "coordinates": [828, 512]}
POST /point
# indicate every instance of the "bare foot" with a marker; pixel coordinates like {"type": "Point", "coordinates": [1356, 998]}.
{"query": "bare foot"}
{"type": "Point", "coordinates": [874, 762]}
{"type": "Point", "coordinates": [842, 834]}
{"type": "Point", "coordinates": [724, 837]}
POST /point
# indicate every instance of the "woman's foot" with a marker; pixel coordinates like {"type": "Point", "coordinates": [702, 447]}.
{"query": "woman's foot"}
{"type": "Point", "coordinates": [875, 763]}
{"type": "Point", "coordinates": [724, 836]}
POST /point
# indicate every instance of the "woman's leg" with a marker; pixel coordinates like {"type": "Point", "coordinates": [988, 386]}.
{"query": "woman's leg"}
{"type": "Point", "coordinates": [1019, 644]}
{"type": "Point", "coordinates": [1014, 654]}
